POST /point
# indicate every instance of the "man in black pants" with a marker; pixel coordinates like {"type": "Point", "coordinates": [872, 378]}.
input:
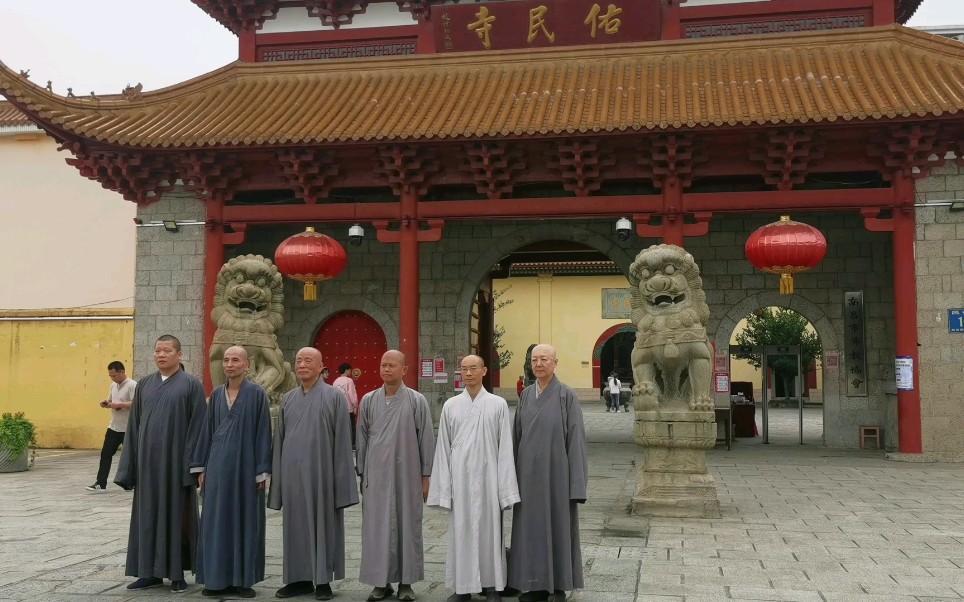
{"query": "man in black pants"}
{"type": "Point", "coordinates": [119, 404]}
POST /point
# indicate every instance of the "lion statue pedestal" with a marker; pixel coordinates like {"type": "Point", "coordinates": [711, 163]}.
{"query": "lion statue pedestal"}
{"type": "Point", "coordinates": [672, 369]}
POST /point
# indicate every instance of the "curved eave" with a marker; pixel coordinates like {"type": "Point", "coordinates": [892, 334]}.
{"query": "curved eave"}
{"type": "Point", "coordinates": [889, 73]}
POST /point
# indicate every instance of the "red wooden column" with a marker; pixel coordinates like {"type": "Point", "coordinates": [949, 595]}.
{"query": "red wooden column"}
{"type": "Point", "coordinates": [213, 260]}
{"type": "Point", "coordinates": [408, 286]}
{"type": "Point", "coordinates": [905, 325]}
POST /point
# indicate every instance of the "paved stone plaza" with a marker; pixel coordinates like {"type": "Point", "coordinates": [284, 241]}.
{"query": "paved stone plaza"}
{"type": "Point", "coordinates": [799, 523]}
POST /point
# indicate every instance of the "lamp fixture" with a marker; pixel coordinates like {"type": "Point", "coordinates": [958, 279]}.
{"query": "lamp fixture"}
{"type": "Point", "coordinates": [170, 225]}
{"type": "Point", "coordinates": [956, 206]}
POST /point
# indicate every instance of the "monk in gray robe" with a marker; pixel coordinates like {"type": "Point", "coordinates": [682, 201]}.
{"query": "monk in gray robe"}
{"type": "Point", "coordinates": [312, 480]}
{"type": "Point", "coordinates": [396, 446]}
{"type": "Point", "coordinates": [165, 421]}
{"type": "Point", "coordinates": [474, 478]}
{"type": "Point", "coordinates": [233, 461]}
{"type": "Point", "coordinates": [549, 437]}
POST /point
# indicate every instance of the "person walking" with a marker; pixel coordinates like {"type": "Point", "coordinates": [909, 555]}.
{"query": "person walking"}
{"type": "Point", "coordinates": [119, 403]}
{"type": "Point", "coordinates": [346, 384]}
{"type": "Point", "coordinates": [613, 390]}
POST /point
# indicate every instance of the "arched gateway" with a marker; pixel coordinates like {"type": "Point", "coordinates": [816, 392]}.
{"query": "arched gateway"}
{"type": "Point", "coordinates": [442, 158]}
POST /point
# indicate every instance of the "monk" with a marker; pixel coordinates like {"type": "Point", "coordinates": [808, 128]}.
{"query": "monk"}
{"type": "Point", "coordinates": [473, 477]}
{"type": "Point", "coordinates": [312, 481]}
{"type": "Point", "coordinates": [233, 461]}
{"type": "Point", "coordinates": [396, 446]}
{"type": "Point", "coordinates": [165, 421]}
{"type": "Point", "coordinates": [549, 438]}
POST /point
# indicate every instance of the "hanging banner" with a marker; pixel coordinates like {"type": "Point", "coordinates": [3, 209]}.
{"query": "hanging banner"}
{"type": "Point", "coordinates": [855, 344]}
{"type": "Point", "coordinates": [904, 371]}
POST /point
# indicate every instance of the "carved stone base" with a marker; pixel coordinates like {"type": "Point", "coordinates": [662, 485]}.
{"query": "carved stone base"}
{"type": "Point", "coordinates": [674, 481]}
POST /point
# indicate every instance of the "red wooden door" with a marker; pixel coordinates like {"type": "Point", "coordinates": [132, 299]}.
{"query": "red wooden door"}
{"type": "Point", "coordinates": [356, 338]}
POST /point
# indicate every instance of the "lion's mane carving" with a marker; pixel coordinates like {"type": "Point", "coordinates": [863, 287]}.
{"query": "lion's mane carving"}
{"type": "Point", "coordinates": [672, 356]}
{"type": "Point", "coordinates": [248, 311]}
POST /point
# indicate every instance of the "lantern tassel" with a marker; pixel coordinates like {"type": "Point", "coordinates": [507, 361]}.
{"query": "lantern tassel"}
{"type": "Point", "coordinates": [786, 284]}
{"type": "Point", "coordinates": [311, 291]}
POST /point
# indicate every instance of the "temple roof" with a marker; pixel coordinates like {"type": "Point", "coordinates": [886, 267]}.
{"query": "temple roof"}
{"type": "Point", "coordinates": [11, 116]}
{"type": "Point", "coordinates": [852, 75]}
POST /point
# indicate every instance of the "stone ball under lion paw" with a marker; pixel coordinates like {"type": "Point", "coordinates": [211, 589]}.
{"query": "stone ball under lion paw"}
{"type": "Point", "coordinates": [644, 388]}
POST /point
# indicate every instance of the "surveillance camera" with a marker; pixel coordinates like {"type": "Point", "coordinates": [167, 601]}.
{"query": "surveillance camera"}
{"type": "Point", "coordinates": [355, 235]}
{"type": "Point", "coordinates": [624, 228]}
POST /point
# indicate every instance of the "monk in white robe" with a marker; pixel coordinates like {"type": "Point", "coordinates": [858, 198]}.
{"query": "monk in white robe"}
{"type": "Point", "coordinates": [549, 438]}
{"type": "Point", "coordinates": [474, 478]}
{"type": "Point", "coordinates": [396, 446]}
{"type": "Point", "coordinates": [312, 480]}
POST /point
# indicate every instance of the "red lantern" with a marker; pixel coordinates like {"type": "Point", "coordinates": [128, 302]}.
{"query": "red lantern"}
{"type": "Point", "coordinates": [786, 247]}
{"type": "Point", "coordinates": [310, 257]}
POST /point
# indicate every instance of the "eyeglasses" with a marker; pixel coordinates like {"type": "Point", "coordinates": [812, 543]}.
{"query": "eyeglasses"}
{"type": "Point", "coordinates": [472, 368]}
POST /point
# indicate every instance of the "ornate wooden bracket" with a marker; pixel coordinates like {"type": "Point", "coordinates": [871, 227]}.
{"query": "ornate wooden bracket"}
{"type": "Point", "coordinates": [699, 227]}
{"type": "Point", "coordinates": [786, 156]}
{"type": "Point", "coordinates": [432, 234]}
{"type": "Point", "coordinates": [669, 159]}
{"type": "Point", "coordinates": [336, 12]}
{"type": "Point", "coordinates": [419, 8]}
{"type": "Point", "coordinates": [241, 15]}
{"type": "Point", "coordinates": [211, 175]}
{"type": "Point", "coordinates": [493, 166]}
{"type": "Point", "coordinates": [580, 164]}
{"type": "Point", "coordinates": [139, 177]}
{"type": "Point", "coordinates": [908, 149]}
{"type": "Point", "coordinates": [310, 172]}
{"type": "Point", "coordinates": [236, 236]}
{"type": "Point", "coordinates": [407, 169]}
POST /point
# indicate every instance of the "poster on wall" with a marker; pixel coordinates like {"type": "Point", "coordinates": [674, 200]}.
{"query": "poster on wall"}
{"type": "Point", "coordinates": [904, 371]}
{"type": "Point", "coordinates": [426, 368]}
{"type": "Point", "coordinates": [722, 383]}
{"type": "Point", "coordinates": [459, 385]}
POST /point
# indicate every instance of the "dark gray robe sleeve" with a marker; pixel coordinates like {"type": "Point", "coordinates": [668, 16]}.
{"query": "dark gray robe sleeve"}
{"type": "Point", "coordinates": [197, 409]}
{"type": "Point", "coordinates": [576, 448]}
{"type": "Point", "coordinates": [361, 432]}
{"type": "Point", "coordinates": [274, 496]}
{"type": "Point", "coordinates": [127, 467]}
{"type": "Point", "coordinates": [203, 447]}
{"type": "Point", "coordinates": [345, 486]}
{"type": "Point", "coordinates": [262, 453]}
{"type": "Point", "coordinates": [425, 431]}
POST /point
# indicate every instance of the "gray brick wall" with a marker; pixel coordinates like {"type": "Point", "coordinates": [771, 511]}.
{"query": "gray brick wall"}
{"type": "Point", "coordinates": [940, 286]}
{"type": "Point", "coordinates": [169, 283]}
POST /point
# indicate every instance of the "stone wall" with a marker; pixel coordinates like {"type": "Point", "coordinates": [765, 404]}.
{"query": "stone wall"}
{"type": "Point", "coordinates": [169, 283]}
{"type": "Point", "coordinates": [453, 268]}
{"type": "Point", "coordinates": [940, 286]}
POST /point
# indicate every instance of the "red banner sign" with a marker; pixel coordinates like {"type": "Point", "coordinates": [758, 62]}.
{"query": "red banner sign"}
{"type": "Point", "coordinates": [543, 23]}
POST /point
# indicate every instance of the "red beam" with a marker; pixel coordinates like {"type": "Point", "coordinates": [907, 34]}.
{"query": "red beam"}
{"type": "Point", "coordinates": [568, 207]}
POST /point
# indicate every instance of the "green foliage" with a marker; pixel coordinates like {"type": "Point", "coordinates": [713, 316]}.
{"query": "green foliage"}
{"type": "Point", "coordinates": [16, 433]}
{"type": "Point", "coordinates": [780, 326]}
{"type": "Point", "coordinates": [503, 356]}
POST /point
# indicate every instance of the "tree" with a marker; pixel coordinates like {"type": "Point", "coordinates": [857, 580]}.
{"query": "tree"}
{"type": "Point", "coordinates": [502, 355]}
{"type": "Point", "coordinates": [780, 326]}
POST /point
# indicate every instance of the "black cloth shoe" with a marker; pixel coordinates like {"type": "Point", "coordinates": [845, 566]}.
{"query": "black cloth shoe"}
{"type": "Point", "coordinates": [247, 592]}
{"type": "Point", "coordinates": [509, 592]}
{"type": "Point", "coordinates": [558, 596]}
{"type": "Point", "coordinates": [178, 586]}
{"type": "Point", "coordinates": [146, 582]}
{"type": "Point", "coordinates": [217, 592]}
{"type": "Point", "coordinates": [380, 593]}
{"type": "Point", "coordinates": [459, 598]}
{"type": "Point", "coordinates": [323, 592]}
{"type": "Point", "coordinates": [405, 592]}
{"type": "Point", "coordinates": [536, 596]}
{"type": "Point", "coordinates": [298, 588]}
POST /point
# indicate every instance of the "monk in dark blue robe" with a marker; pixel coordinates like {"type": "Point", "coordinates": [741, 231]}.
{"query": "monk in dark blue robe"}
{"type": "Point", "coordinates": [233, 459]}
{"type": "Point", "coordinates": [165, 421]}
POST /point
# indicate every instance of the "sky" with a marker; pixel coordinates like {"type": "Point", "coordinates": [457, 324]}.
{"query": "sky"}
{"type": "Point", "coordinates": [103, 45]}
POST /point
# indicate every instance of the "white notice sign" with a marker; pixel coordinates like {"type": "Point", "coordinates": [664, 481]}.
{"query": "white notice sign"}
{"type": "Point", "coordinates": [904, 371]}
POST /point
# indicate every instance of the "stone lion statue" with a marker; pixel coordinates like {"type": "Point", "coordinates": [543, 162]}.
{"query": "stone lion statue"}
{"type": "Point", "coordinates": [672, 357]}
{"type": "Point", "coordinates": [248, 311]}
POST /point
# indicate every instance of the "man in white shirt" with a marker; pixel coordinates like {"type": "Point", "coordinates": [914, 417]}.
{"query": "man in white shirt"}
{"type": "Point", "coordinates": [119, 404]}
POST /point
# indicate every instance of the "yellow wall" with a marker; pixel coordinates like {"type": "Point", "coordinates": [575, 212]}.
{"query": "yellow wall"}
{"type": "Point", "coordinates": [55, 370]}
{"type": "Point", "coordinates": [566, 314]}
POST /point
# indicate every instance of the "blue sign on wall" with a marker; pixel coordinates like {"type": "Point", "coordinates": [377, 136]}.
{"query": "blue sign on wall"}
{"type": "Point", "coordinates": [955, 320]}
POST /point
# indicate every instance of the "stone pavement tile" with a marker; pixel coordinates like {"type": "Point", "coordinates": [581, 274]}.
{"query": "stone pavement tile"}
{"type": "Point", "coordinates": [923, 588]}
{"type": "Point", "coordinates": [855, 597]}
{"type": "Point", "coordinates": [27, 589]}
{"type": "Point", "coordinates": [783, 595]}
{"type": "Point", "coordinates": [606, 568]}
{"type": "Point", "coordinates": [652, 598]}
{"type": "Point", "coordinates": [88, 587]}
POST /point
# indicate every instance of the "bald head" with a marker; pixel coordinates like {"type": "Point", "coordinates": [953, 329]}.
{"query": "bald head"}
{"type": "Point", "coordinates": [544, 363]}
{"type": "Point", "coordinates": [235, 364]}
{"type": "Point", "coordinates": [393, 368]}
{"type": "Point", "coordinates": [308, 366]}
{"type": "Point", "coordinates": [473, 369]}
